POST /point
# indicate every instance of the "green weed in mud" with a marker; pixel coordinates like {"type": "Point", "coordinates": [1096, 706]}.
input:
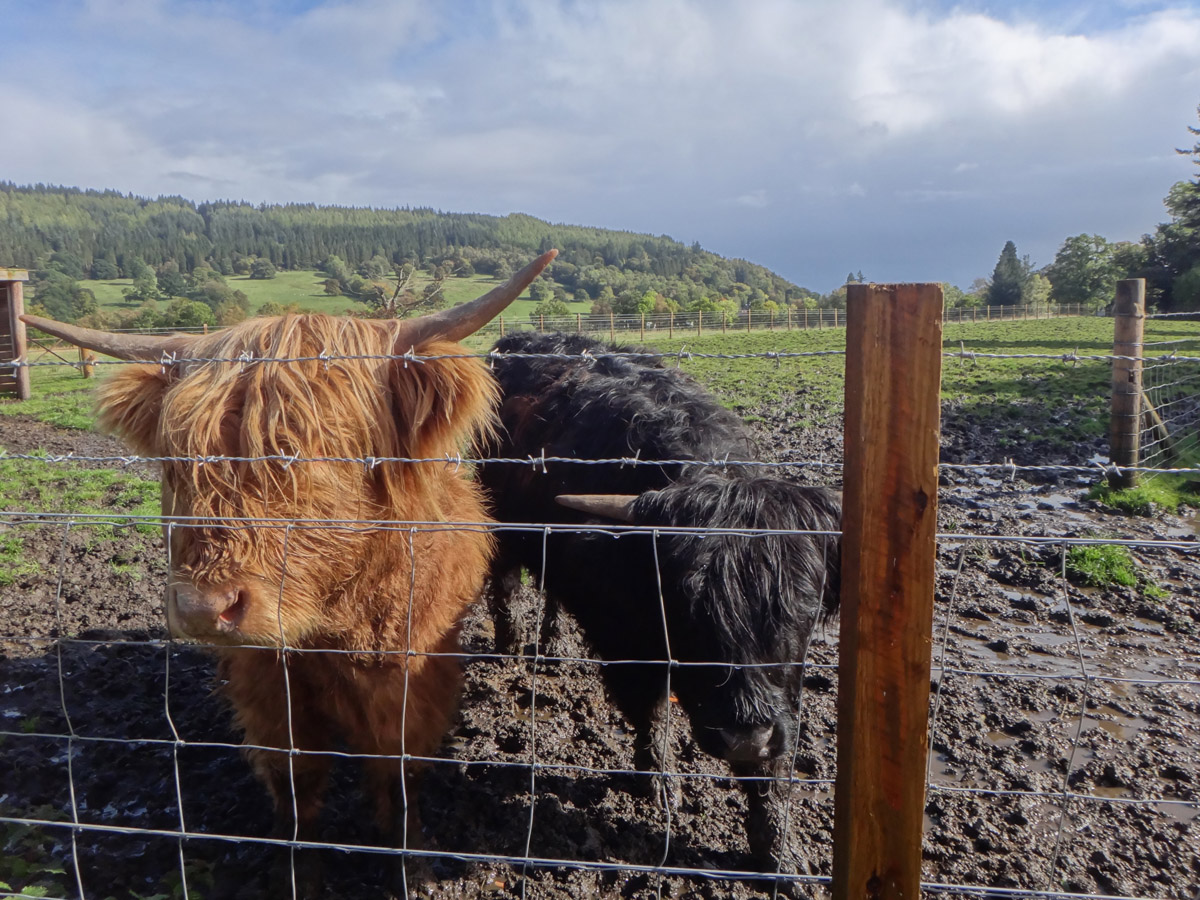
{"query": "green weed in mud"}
{"type": "Point", "coordinates": [1101, 565]}
{"type": "Point", "coordinates": [13, 564]}
{"type": "Point", "coordinates": [28, 867]}
{"type": "Point", "coordinates": [1168, 492]}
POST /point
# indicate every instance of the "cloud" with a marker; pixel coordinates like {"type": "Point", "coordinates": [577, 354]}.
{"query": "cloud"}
{"type": "Point", "coordinates": [643, 114]}
{"type": "Point", "coordinates": [756, 199]}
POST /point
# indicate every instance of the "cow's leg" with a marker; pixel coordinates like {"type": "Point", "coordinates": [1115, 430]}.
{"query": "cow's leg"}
{"type": "Point", "coordinates": [407, 716]}
{"type": "Point", "coordinates": [767, 794]}
{"type": "Point", "coordinates": [259, 690]}
{"type": "Point", "coordinates": [640, 693]}
{"type": "Point", "coordinates": [503, 583]}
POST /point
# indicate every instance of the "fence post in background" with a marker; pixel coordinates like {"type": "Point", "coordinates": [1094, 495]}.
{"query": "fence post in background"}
{"type": "Point", "coordinates": [889, 519]}
{"type": "Point", "coordinates": [749, 318]}
{"type": "Point", "coordinates": [699, 323]}
{"type": "Point", "coordinates": [671, 325]}
{"type": "Point", "coordinates": [612, 327]}
{"type": "Point", "coordinates": [12, 290]}
{"type": "Point", "coordinates": [835, 317]}
{"type": "Point", "coordinates": [789, 312]}
{"type": "Point", "coordinates": [579, 323]}
{"type": "Point", "coordinates": [502, 326]}
{"type": "Point", "coordinates": [1125, 422]}
{"type": "Point", "coordinates": [88, 360]}
{"type": "Point", "coordinates": [724, 322]}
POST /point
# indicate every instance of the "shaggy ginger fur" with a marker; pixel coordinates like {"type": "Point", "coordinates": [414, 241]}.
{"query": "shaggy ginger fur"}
{"type": "Point", "coordinates": [341, 588]}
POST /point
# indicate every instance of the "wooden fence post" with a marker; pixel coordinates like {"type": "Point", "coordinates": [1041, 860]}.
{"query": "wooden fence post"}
{"type": "Point", "coordinates": [789, 312]}
{"type": "Point", "coordinates": [671, 325]}
{"type": "Point", "coordinates": [889, 519]}
{"type": "Point", "coordinates": [699, 322]}
{"type": "Point", "coordinates": [612, 327]}
{"type": "Point", "coordinates": [579, 323]}
{"type": "Point", "coordinates": [12, 289]}
{"type": "Point", "coordinates": [502, 326]}
{"type": "Point", "coordinates": [1125, 421]}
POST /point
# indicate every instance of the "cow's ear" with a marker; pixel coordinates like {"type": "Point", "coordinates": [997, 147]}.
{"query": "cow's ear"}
{"type": "Point", "coordinates": [129, 405]}
{"type": "Point", "coordinates": [443, 403]}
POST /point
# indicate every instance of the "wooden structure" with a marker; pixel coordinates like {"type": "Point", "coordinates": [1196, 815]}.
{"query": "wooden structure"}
{"type": "Point", "coordinates": [889, 518]}
{"type": "Point", "coordinates": [1125, 420]}
{"type": "Point", "coordinates": [14, 380]}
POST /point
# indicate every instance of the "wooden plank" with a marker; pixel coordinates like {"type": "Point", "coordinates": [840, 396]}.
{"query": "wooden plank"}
{"type": "Point", "coordinates": [893, 382]}
{"type": "Point", "coordinates": [1124, 424]}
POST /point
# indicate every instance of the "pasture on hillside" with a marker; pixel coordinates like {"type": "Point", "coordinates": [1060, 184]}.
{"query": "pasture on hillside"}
{"type": "Point", "coordinates": [306, 289]}
{"type": "Point", "coordinates": [1065, 735]}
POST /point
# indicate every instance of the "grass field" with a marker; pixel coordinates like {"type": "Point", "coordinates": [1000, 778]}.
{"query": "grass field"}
{"type": "Point", "coordinates": [307, 290]}
{"type": "Point", "coordinates": [812, 382]}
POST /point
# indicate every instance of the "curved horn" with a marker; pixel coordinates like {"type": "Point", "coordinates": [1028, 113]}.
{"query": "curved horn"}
{"type": "Point", "coordinates": [122, 346]}
{"type": "Point", "coordinates": [458, 322]}
{"type": "Point", "coordinates": [618, 507]}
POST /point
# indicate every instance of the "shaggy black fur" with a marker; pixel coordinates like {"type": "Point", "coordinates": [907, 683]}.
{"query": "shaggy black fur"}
{"type": "Point", "coordinates": [739, 610]}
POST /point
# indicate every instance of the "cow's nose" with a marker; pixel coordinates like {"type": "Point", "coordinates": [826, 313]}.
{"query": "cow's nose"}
{"type": "Point", "coordinates": [204, 612]}
{"type": "Point", "coordinates": [749, 743]}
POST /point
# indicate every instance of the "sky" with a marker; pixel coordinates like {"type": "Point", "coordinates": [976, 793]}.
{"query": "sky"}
{"type": "Point", "coordinates": [906, 139]}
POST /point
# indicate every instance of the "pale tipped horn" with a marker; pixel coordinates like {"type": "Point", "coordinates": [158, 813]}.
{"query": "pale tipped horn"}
{"type": "Point", "coordinates": [122, 346]}
{"type": "Point", "coordinates": [618, 507]}
{"type": "Point", "coordinates": [458, 322]}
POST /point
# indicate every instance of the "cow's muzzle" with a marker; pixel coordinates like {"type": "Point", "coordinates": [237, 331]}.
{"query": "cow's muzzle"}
{"type": "Point", "coordinates": [206, 614]}
{"type": "Point", "coordinates": [751, 743]}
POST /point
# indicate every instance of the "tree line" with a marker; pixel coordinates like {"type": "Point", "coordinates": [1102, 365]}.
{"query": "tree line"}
{"type": "Point", "coordinates": [1086, 267]}
{"type": "Point", "coordinates": [67, 234]}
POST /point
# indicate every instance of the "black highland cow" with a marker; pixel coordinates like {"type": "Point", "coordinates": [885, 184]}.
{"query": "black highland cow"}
{"type": "Point", "coordinates": [739, 610]}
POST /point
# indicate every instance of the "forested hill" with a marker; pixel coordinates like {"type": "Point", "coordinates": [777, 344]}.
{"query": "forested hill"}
{"type": "Point", "coordinates": [104, 232]}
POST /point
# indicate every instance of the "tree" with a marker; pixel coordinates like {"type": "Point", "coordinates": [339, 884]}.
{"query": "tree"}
{"type": "Point", "coordinates": [1009, 277]}
{"type": "Point", "coordinates": [262, 269]}
{"type": "Point", "coordinates": [145, 287]}
{"type": "Point", "coordinates": [105, 270]}
{"type": "Point", "coordinates": [549, 309]}
{"type": "Point", "coordinates": [1036, 291]}
{"type": "Point", "coordinates": [184, 313]}
{"type": "Point", "coordinates": [540, 292]}
{"type": "Point", "coordinates": [170, 282]}
{"type": "Point", "coordinates": [1084, 271]}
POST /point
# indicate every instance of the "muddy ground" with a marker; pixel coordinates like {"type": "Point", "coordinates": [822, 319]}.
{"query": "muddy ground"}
{"type": "Point", "coordinates": [1057, 763]}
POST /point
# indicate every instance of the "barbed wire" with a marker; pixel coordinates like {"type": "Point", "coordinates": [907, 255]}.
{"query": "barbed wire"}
{"type": "Point", "coordinates": [1086, 674]}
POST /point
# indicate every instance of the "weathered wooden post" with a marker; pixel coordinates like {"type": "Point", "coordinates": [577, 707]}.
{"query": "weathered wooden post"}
{"type": "Point", "coordinates": [87, 360]}
{"type": "Point", "coordinates": [14, 380]}
{"type": "Point", "coordinates": [502, 326]}
{"type": "Point", "coordinates": [789, 324]}
{"type": "Point", "coordinates": [612, 327]}
{"type": "Point", "coordinates": [1125, 420]}
{"type": "Point", "coordinates": [579, 323]}
{"type": "Point", "coordinates": [671, 325]}
{"type": "Point", "coordinates": [835, 317]}
{"type": "Point", "coordinates": [699, 322]}
{"type": "Point", "coordinates": [889, 518]}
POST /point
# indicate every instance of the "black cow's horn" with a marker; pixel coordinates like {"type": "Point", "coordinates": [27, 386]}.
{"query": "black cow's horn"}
{"type": "Point", "coordinates": [618, 507]}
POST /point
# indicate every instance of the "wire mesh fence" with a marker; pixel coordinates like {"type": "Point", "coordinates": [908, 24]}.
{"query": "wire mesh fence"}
{"type": "Point", "coordinates": [1063, 740]}
{"type": "Point", "coordinates": [1171, 397]}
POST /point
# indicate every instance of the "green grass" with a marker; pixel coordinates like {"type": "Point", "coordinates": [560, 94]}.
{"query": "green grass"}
{"type": "Point", "coordinates": [1101, 565]}
{"type": "Point", "coordinates": [1168, 492]}
{"type": "Point", "coordinates": [60, 394]}
{"type": "Point", "coordinates": [307, 290]}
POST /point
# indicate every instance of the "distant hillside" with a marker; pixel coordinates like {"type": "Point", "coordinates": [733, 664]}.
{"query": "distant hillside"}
{"type": "Point", "coordinates": [106, 234]}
